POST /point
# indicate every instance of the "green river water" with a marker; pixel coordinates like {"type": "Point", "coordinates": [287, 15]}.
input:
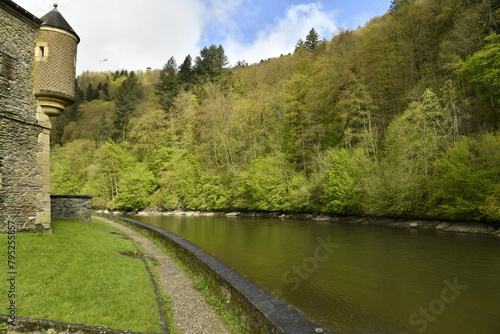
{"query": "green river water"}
{"type": "Point", "coordinates": [360, 279]}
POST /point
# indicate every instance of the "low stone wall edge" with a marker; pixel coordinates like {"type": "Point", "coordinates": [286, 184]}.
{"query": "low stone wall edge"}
{"type": "Point", "coordinates": [261, 311]}
{"type": "Point", "coordinates": [32, 325]}
{"type": "Point", "coordinates": [71, 207]}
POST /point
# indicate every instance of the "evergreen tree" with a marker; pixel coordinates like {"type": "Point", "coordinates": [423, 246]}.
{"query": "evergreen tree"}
{"type": "Point", "coordinates": [186, 75]}
{"type": "Point", "coordinates": [210, 63]}
{"type": "Point", "coordinates": [105, 91]}
{"type": "Point", "coordinates": [397, 4]}
{"type": "Point", "coordinates": [127, 98]}
{"type": "Point", "coordinates": [168, 86]}
{"type": "Point", "coordinates": [300, 44]}
{"type": "Point", "coordinates": [91, 93]}
{"type": "Point", "coordinates": [312, 40]}
{"type": "Point", "coordinates": [241, 63]}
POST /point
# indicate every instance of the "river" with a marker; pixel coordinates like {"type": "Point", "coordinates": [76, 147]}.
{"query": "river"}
{"type": "Point", "coordinates": [360, 279]}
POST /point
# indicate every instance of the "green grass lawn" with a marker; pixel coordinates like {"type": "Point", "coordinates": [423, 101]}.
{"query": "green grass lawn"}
{"type": "Point", "coordinates": [77, 275]}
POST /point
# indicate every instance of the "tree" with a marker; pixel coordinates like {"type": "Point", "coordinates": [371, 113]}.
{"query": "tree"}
{"type": "Point", "coordinates": [300, 44]}
{"type": "Point", "coordinates": [217, 118]}
{"type": "Point", "coordinates": [241, 63]}
{"type": "Point", "coordinates": [109, 162]}
{"type": "Point", "coordinates": [294, 126]}
{"type": "Point", "coordinates": [413, 142]}
{"type": "Point", "coordinates": [186, 75]}
{"type": "Point", "coordinates": [150, 139]}
{"type": "Point", "coordinates": [312, 40]}
{"type": "Point", "coordinates": [93, 124]}
{"type": "Point", "coordinates": [70, 165]}
{"type": "Point", "coordinates": [467, 180]}
{"type": "Point", "coordinates": [271, 184]}
{"type": "Point", "coordinates": [136, 184]}
{"type": "Point", "coordinates": [482, 69]}
{"type": "Point", "coordinates": [127, 98]}
{"type": "Point", "coordinates": [396, 4]}
{"type": "Point", "coordinates": [210, 63]}
{"type": "Point", "coordinates": [105, 92]}
{"type": "Point", "coordinates": [168, 86]}
{"type": "Point", "coordinates": [341, 183]}
{"type": "Point", "coordinates": [91, 93]}
{"type": "Point", "coordinates": [355, 108]}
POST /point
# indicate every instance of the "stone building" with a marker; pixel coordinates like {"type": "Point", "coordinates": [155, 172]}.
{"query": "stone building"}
{"type": "Point", "coordinates": [37, 75]}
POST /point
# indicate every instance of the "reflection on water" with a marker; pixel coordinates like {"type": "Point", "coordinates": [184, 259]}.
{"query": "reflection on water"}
{"type": "Point", "coordinates": [360, 279]}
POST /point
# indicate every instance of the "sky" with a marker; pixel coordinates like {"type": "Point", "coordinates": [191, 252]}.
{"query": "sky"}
{"type": "Point", "coordinates": [136, 34]}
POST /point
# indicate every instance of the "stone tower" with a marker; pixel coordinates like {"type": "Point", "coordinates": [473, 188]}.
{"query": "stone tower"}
{"type": "Point", "coordinates": [37, 79]}
{"type": "Point", "coordinates": [55, 63]}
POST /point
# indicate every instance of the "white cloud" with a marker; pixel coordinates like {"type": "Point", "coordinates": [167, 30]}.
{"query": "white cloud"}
{"type": "Point", "coordinates": [221, 11]}
{"type": "Point", "coordinates": [281, 37]}
{"type": "Point", "coordinates": [135, 34]}
{"type": "Point", "coordinates": [131, 34]}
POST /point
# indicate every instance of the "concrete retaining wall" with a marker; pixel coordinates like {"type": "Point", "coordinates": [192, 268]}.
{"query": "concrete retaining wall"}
{"type": "Point", "coordinates": [74, 207]}
{"type": "Point", "coordinates": [260, 311]}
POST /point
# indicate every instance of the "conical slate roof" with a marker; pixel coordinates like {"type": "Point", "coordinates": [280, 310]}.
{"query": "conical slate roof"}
{"type": "Point", "coordinates": [55, 19]}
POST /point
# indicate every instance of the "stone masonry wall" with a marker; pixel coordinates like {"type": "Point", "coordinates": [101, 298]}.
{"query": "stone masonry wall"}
{"type": "Point", "coordinates": [24, 144]}
{"type": "Point", "coordinates": [17, 45]}
{"type": "Point", "coordinates": [21, 177]}
{"type": "Point", "coordinates": [74, 207]}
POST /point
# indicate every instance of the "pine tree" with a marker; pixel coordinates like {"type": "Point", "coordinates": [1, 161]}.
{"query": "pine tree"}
{"type": "Point", "coordinates": [300, 44]}
{"type": "Point", "coordinates": [168, 85]}
{"type": "Point", "coordinates": [127, 97]}
{"type": "Point", "coordinates": [397, 4]}
{"type": "Point", "coordinates": [186, 75]}
{"type": "Point", "coordinates": [312, 40]}
{"type": "Point", "coordinates": [105, 91]}
{"type": "Point", "coordinates": [210, 63]}
{"type": "Point", "coordinates": [90, 95]}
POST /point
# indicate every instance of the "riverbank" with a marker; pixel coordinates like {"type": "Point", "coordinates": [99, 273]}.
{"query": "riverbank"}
{"type": "Point", "coordinates": [474, 227]}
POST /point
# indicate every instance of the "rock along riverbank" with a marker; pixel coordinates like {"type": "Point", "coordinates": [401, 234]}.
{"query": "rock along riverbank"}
{"type": "Point", "coordinates": [475, 227]}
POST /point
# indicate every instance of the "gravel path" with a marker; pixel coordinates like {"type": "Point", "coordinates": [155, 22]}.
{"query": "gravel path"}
{"type": "Point", "coordinates": [192, 314]}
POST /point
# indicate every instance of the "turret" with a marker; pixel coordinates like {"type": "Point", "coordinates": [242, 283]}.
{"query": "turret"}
{"type": "Point", "coordinates": [55, 63]}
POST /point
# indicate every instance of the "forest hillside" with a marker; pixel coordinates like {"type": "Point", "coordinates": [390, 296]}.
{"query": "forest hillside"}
{"type": "Point", "coordinates": [399, 118]}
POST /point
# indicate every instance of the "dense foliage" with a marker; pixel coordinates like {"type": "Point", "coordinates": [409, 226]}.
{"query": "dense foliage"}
{"type": "Point", "coordinates": [397, 118]}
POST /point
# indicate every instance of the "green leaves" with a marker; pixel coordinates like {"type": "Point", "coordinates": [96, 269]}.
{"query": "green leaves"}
{"type": "Point", "coordinates": [271, 184]}
{"type": "Point", "coordinates": [168, 86]}
{"type": "Point", "coordinates": [311, 43]}
{"type": "Point", "coordinates": [209, 65]}
{"type": "Point", "coordinates": [127, 98]}
{"type": "Point", "coordinates": [69, 167]}
{"type": "Point", "coordinates": [482, 69]}
{"type": "Point", "coordinates": [341, 183]}
{"type": "Point", "coordinates": [135, 186]}
{"type": "Point", "coordinates": [467, 180]}
{"type": "Point", "coordinates": [312, 40]}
